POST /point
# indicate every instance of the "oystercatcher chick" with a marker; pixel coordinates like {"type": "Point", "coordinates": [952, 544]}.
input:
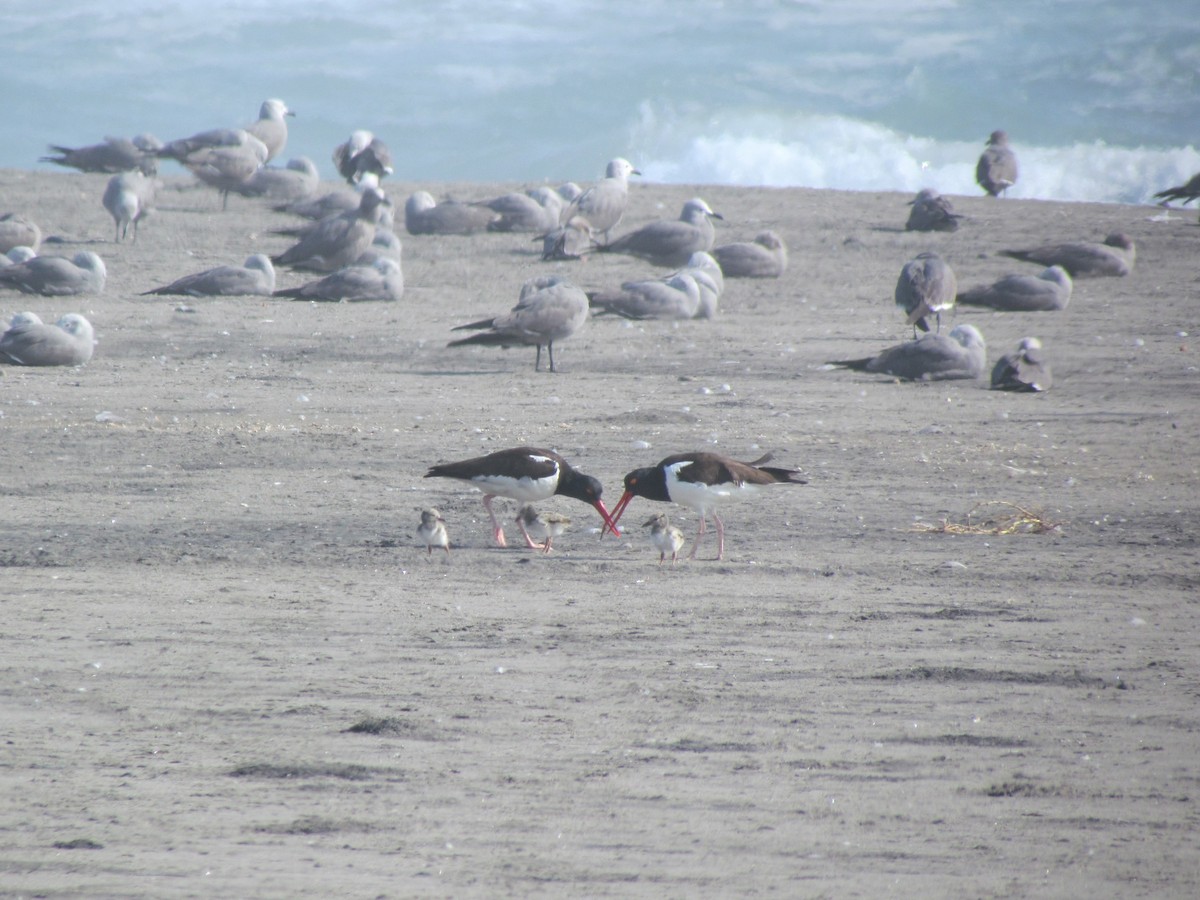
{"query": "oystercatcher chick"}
{"type": "Point", "coordinates": [546, 525]}
{"type": "Point", "coordinates": [665, 537]}
{"type": "Point", "coordinates": [526, 474]}
{"type": "Point", "coordinates": [701, 481]}
{"type": "Point", "coordinates": [432, 531]}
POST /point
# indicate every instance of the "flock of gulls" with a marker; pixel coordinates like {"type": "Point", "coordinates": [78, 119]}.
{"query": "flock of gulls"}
{"type": "Point", "coordinates": [349, 243]}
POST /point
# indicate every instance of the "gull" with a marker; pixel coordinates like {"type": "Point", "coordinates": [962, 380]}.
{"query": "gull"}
{"type": "Point", "coordinates": [550, 309]}
{"type": "Point", "coordinates": [1024, 370]}
{"type": "Point", "coordinates": [17, 255]}
{"type": "Point", "coordinates": [18, 231]}
{"type": "Point", "coordinates": [603, 204]}
{"type": "Point", "coordinates": [54, 276]}
{"type": "Point", "coordinates": [227, 168]}
{"type": "Point", "coordinates": [424, 215]}
{"type": "Point", "coordinates": [114, 155]}
{"type": "Point", "coordinates": [271, 127]}
{"type": "Point", "coordinates": [129, 197]}
{"type": "Point", "coordinates": [931, 212]}
{"type": "Point", "coordinates": [1049, 290]}
{"type": "Point", "coordinates": [996, 170]}
{"type": "Point", "coordinates": [574, 240]}
{"type": "Point", "coordinates": [337, 241]}
{"type": "Point", "coordinates": [665, 537]}
{"type": "Point", "coordinates": [30, 342]}
{"type": "Point", "coordinates": [1185, 193]}
{"type": "Point", "coordinates": [536, 210]}
{"type": "Point", "coordinates": [765, 257]}
{"type": "Point", "coordinates": [332, 203]}
{"type": "Point", "coordinates": [432, 531]}
{"type": "Point", "coordinates": [926, 286]}
{"type": "Point", "coordinates": [255, 276]}
{"type": "Point", "coordinates": [292, 184]}
{"type": "Point", "coordinates": [363, 153]}
{"type": "Point", "coordinates": [677, 297]}
{"type": "Point", "coordinates": [931, 357]}
{"type": "Point", "coordinates": [669, 242]}
{"type": "Point", "coordinates": [1084, 259]}
{"type": "Point", "coordinates": [381, 279]}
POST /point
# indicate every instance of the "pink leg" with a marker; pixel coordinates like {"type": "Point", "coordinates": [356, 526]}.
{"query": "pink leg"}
{"type": "Point", "coordinates": [720, 536]}
{"type": "Point", "coordinates": [699, 537]}
{"type": "Point", "coordinates": [497, 531]}
{"type": "Point", "coordinates": [529, 541]}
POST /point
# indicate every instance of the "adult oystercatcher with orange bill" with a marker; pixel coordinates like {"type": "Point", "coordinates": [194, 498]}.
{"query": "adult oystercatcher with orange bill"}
{"type": "Point", "coordinates": [701, 481]}
{"type": "Point", "coordinates": [528, 475]}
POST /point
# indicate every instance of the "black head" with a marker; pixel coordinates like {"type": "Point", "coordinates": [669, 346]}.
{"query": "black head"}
{"type": "Point", "coordinates": [578, 486]}
{"type": "Point", "coordinates": [649, 482]}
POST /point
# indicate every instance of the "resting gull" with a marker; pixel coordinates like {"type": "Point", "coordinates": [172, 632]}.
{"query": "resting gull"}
{"type": "Point", "coordinates": [1084, 259]}
{"type": "Point", "coordinates": [337, 241]}
{"type": "Point", "coordinates": [30, 342]}
{"type": "Point", "coordinates": [18, 231]}
{"type": "Point", "coordinates": [363, 153]}
{"type": "Point", "coordinates": [570, 241]}
{"type": "Point", "coordinates": [669, 242]}
{"type": "Point", "coordinates": [764, 257]}
{"type": "Point", "coordinates": [255, 276]}
{"type": "Point", "coordinates": [1049, 290]}
{"type": "Point", "coordinates": [424, 215]}
{"type": "Point", "coordinates": [677, 297]}
{"type": "Point", "coordinates": [1024, 370]}
{"type": "Point", "coordinates": [381, 279]}
{"type": "Point", "coordinates": [931, 212]}
{"type": "Point", "coordinates": [55, 276]}
{"type": "Point", "coordinates": [294, 183]}
{"type": "Point", "coordinates": [931, 357]}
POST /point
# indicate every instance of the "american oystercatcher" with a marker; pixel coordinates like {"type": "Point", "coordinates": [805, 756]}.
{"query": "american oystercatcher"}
{"type": "Point", "coordinates": [526, 474]}
{"type": "Point", "coordinates": [432, 531]}
{"type": "Point", "coordinates": [701, 481]}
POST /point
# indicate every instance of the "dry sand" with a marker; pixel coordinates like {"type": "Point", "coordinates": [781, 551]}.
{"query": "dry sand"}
{"type": "Point", "coordinates": [210, 577]}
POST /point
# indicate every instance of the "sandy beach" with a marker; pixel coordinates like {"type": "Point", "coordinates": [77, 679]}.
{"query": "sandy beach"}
{"type": "Point", "coordinates": [231, 670]}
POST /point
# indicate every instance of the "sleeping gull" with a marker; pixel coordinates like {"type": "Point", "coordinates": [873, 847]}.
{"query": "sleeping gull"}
{"type": "Point", "coordinates": [1084, 259]}
{"type": "Point", "coordinates": [603, 204]}
{"type": "Point", "coordinates": [931, 212]}
{"type": "Point", "coordinates": [363, 153]}
{"type": "Point", "coordinates": [996, 170]}
{"type": "Point", "coordinates": [30, 342]}
{"type": "Point", "coordinates": [54, 276]}
{"type": "Point", "coordinates": [424, 215]}
{"type": "Point", "coordinates": [129, 197]}
{"type": "Point", "coordinates": [677, 297]}
{"type": "Point", "coordinates": [337, 241]}
{"type": "Point", "coordinates": [765, 257]}
{"type": "Point", "coordinates": [17, 255]}
{"type": "Point", "coordinates": [1024, 370]}
{"type": "Point", "coordinates": [550, 309]}
{"type": "Point", "coordinates": [381, 279]}
{"type": "Point", "coordinates": [926, 286]}
{"type": "Point", "coordinates": [255, 276]}
{"type": "Point", "coordinates": [1049, 290]}
{"type": "Point", "coordinates": [931, 357]}
{"type": "Point", "coordinates": [18, 231]}
{"type": "Point", "coordinates": [294, 183]}
{"type": "Point", "coordinates": [669, 242]}
{"type": "Point", "coordinates": [536, 210]}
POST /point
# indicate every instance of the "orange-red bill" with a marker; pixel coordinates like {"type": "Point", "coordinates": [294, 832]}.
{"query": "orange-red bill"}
{"type": "Point", "coordinates": [610, 524]}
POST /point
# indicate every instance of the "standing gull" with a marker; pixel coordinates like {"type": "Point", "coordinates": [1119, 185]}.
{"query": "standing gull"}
{"type": "Point", "coordinates": [362, 154]}
{"type": "Point", "coordinates": [271, 127]}
{"type": "Point", "coordinates": [603, 204]}
{"type": "Point", "coordinates": [227, 168]}
{"type": "Point", "coordinates": [765, 257]}
{"type": "Point", "coordinates": [1049, 290]}
{"type": "Point", "coordinates": [931, 212]}
{"type": "Point", "coordinates": [996, 170]}
{"type": "Point", "coordinates": [56, 276]}
{"type": "Point", "coordinates": [129, 197]}
{"type": "Point", "coordinates": [926, 287]}
{"type": "Point", "coordinates": [526, 474]}
{"type": "Point", "coordinates": [255, 276]}
{"type": "Point", "coordinates": [1084, 259]}
{"type": "Point", "coordinates": [1023, 370]}
{"type": "Point", "coordinates": [931, 357]}
{"type": "Point", "coordinates": [30, 342]}
{"type": "Point", "coordinates": [702, 481]}
{"type": "Point", "coordinates": [550, 309]}
{"type": "Point", "coordinates": [337, 241]}
{"type": "Point", "coordinates": [432, 531]}
{"type": "Point", "coordinates": [670, 242]}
